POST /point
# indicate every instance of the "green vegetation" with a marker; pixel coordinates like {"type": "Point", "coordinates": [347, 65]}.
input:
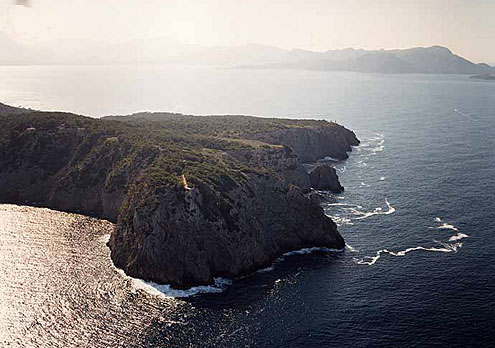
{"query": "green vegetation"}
{"type": "Point", "coordinates": [140, 153]}
{"type": "Point", "coordinates": [227, 126]}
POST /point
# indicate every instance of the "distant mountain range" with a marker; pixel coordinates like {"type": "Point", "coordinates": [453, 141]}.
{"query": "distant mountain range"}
{"type": "Point", "coordinates": [435, 59]}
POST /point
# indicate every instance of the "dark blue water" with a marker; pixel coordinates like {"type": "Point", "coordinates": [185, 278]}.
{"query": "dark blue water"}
{"type": "Point", "coordinates": [429, 151]}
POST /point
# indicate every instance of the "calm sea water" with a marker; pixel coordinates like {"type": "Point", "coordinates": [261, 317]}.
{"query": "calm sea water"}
{"type": "Point", "coordinates": [416, 215]}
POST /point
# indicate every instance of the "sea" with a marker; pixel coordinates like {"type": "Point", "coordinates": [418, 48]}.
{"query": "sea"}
{"type": "Point", "coordinates": [417, 215]}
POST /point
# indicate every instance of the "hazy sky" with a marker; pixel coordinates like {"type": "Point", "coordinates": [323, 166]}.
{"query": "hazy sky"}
{"type": "Point", "coordinates": [465, 26]}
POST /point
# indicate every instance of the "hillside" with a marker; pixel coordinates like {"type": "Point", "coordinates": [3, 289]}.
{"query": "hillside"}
{"type": "Point", "coordinates": [194, 198]}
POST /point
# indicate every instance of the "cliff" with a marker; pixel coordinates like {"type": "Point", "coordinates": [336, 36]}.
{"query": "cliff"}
{"type": "Point", "coordinates": [194, 197]}
{"type": "Point", "coordinates": [187, 237]}
{"type": "Point", "coordinates": [314, 142]}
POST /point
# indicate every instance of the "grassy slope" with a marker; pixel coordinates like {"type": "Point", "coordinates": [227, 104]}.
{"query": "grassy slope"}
{"type": "Point", "coordinates": [142, 152]}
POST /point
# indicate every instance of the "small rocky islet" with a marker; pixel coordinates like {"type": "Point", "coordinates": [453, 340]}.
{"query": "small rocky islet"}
{"type": "Point", "coordinates": [193, 197]}
{"type": "Point", "coordinates": [486, 77]}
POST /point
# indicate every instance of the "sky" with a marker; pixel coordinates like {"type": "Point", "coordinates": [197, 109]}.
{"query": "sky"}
{"type": "Point", "coordinates": [467, 27]}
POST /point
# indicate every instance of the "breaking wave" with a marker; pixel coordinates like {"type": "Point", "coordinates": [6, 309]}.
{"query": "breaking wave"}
{"type": "Point", "coordinates": [373, 145]}
{"type": "Point", "coordinates": [166, 290]}
{"type": "Point", "coordinates": [378, 211]}
{"type": "Point", "coordinates": [371, 260]}
{"type": "Point", "coordinates": [342, 169]}
{"type": "Point", "coordinates": [341, 220]}
{"type": "Point", "coordinates": [446, 226]}
{"type": "Point", "coordinates": [443, 247]}
{"type": "Point", "coordinates": [462, 114]}
{"type": "Point", "coordinates": [347, 213]}
{"type": "Point", "coordinates": [306, 251]}
{"type": "Point", "coordinates": [350, 248]}
{"type": "Point", "coordinates": [457, 237]}
{"type": "Point", "coordinates": [328, 158]}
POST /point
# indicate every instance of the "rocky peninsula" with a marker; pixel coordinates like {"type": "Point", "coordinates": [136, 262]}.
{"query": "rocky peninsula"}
{"type": "Point", "coordinates": [193, 197]}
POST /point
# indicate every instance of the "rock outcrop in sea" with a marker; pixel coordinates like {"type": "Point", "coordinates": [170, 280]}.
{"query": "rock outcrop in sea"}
{"type": "Point", "coordinates": [324, 177]}
{"type": "Point", "coordinates": [193, 198]}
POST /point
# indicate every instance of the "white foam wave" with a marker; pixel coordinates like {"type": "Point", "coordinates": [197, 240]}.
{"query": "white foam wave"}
{"type": "Point", "coordinates": [166, 290]}
{"type": "Point", "coordinates": [350, 248]}
{"type": "Point", "coordinates": [462, 114]}
{"type": "Point", "coordinates": [328, 158]}
{"type": "Point", "coordinates": [382, 178]}
{"type": "Point", "coordinates": [372, 146]}
{"type": "Point", "coordinates": [371, 260]}
{"type": "Point", "coordinates": [377, 211]}
{"type": "Point", "coordinates": [341, 220]}
{"type": "Point", "coordinates": [446, 226]}
{"type": "Point", "coordinates": [267, 269]}
{"type": "Point", "coordinates": [219, 286]}
{"type": "Point", "coordinates": [306, 251]}
{"type": "Point", "coordinates": [457, 237]}
{"type": "Point", "coordinates": [379, 148]}
{"type": "Point", "coordinates": [445, 247]}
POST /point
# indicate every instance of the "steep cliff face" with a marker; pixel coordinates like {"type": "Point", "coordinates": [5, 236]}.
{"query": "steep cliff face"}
{"type": "Point", "coordinates": [243, 205]}
{"type": "Point", "coordinates": [282, 161]}
{"type": "Point", "coordinates": [232, 229]}
{"type": "Point", "coordinates": [313, 143]}
{"type": "Point", "coordinates": [188, 237]}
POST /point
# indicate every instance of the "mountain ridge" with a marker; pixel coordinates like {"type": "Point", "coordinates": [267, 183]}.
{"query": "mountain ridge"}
{"type": "Point", "coordinates": [434, 59]}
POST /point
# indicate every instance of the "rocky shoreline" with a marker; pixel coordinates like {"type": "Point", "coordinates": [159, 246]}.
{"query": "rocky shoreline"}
{"type": "Point", "coordinates": [194, 198]}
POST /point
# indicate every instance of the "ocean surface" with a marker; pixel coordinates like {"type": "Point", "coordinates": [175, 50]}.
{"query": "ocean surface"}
{"type": "Point", "coordinates": [417, 216]}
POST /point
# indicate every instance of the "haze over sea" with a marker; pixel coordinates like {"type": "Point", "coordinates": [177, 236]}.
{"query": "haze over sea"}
{"type": "Point", "coordinates": [417, 215]}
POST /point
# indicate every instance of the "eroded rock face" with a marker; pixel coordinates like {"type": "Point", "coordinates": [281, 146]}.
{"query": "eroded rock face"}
{"type": "Point", "coordinates": [283, 162]}
{"type": "Point", "coordinates": [312, 144]}
{"type": "Point", "coordinates": [188, 237]}
{"type": "Point", "coordinates": [324, 177]}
